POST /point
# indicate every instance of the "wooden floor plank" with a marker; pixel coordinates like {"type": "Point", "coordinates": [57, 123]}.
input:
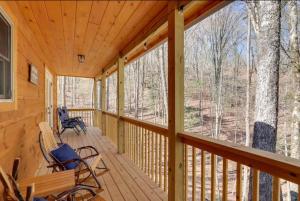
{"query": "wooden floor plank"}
{"type": "Point", "coordinates": [125, 181]}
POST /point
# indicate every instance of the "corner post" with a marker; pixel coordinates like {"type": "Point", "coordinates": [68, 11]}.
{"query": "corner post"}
{"type": "Point", "coordinates": [120, 104]}
{"type": "Point", "coordinates": [95, 113]}
{"type": "Point", "coordinates": [175, 100]}
{"type": "Point", "coordinates": [103, 103]}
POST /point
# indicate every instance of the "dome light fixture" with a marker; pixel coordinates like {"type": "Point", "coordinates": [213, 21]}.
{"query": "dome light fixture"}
{"type": "Point", "coordinates": [81, 58]}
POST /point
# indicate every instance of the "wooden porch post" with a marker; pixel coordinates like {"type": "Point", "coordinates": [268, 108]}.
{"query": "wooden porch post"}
{"type": "Point", "coordinates": [120, 105]}
{"type": "Point", "coordinates": [95, 119]}
{"type": "Point", "coordinates": [175, 101]}
{"type": "Point", "coordinates": [103, 103]}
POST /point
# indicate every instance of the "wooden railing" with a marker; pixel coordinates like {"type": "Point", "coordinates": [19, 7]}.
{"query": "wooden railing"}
{"type": "Point", "coordinates": [280, 167]}
{"type": "Point", "coordinates": [146, 144]}
{"type": "Point", "coordinates": [111, 126]}
{"type": "Point", "coordinates": [209, 164]}
{"type": "Point", "coordinates": [87, 114]}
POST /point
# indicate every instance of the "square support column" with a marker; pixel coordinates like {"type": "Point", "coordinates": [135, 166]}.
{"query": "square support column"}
{"type": "Point", "coordinates": [175, 101]}
{"type": "Point", "coordinates": [103, 103]}
{"type": "Point", "coordinates": [95, 95]}
{"type": "Point", "coordinates": [120, 104]}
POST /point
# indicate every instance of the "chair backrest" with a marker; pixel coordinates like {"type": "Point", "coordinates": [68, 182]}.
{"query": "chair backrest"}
{"type": "Point", "coordinates": [65, 111]}
{"type": "Point", "coordinates": [11, 188]}
{"type": "Point", "coordinates": [48, 139]}
{"type": "Point", "coordinates": [8, 188]}
{"type": "Point", "coordinates": [63, 114]}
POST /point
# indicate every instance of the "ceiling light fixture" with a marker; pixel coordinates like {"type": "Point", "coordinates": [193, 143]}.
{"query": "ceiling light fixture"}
{"type": "Point", "coordinates": [81, 58]}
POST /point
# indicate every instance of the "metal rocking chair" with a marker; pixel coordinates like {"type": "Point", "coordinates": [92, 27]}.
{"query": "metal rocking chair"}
{"type": "Point", "coordinates": [86, 165]}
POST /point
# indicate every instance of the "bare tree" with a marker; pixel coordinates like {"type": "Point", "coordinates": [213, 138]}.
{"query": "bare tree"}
{"type": "Point", "coordinates": [265, 17]}
{"type": "Point", "coordinates": [295, 64]}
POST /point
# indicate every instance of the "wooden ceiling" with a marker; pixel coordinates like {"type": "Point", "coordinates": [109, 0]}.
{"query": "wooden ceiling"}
{"type": "Point", "coordinates": [97, 29]}
{"type": "Point", "coordinates": [100, 30]}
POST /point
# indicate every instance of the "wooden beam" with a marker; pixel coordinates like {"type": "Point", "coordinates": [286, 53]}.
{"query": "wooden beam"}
{"type": "Point", "coordinates": [175, 100]}
{"type": "Point", "coordinates": [103, 103]}
{"type": "Point", "coordinates": [120, 104]}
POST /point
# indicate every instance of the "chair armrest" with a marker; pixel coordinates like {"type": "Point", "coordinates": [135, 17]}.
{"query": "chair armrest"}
{"type": "Point", "coordinates": [75, 118]}
{"type": "Point", "coordinates": [93, 151]}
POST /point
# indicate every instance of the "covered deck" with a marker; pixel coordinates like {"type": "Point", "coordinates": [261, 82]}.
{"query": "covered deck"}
{"type": "Point", "coordinates": [146, 161]}
{"type": "Point", "coordinates": [124, 181]}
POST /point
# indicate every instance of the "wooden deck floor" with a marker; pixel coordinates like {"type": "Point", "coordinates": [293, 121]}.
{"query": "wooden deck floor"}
{"type": "Point", "coordinates": [124, 181]}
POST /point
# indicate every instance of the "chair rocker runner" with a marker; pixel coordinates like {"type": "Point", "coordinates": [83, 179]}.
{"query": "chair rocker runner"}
{"type": "Point", "coordinates": [62, 157]}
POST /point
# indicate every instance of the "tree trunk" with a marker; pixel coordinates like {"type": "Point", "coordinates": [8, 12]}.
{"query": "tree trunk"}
{"type": "Point", "coordinates": [142, 87]}
{"type": "Point", "coordinates": [161, 58]}
{"type": "Point", "coordinates": [247, 115]}
{"type": "Point", "coordinates": [137, 88]}
{"type": "Point", "coordinates": [295, 64]}
{"type": "Point", "coordinates": [266, 99]}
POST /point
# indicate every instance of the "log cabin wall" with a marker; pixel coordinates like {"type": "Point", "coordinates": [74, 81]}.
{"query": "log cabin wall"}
{"type": "Point", "coordinates": [19, 128]}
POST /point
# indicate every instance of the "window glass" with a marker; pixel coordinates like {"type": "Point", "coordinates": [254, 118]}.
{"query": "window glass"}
{"type": "Point", "coordinates": [5, 59]}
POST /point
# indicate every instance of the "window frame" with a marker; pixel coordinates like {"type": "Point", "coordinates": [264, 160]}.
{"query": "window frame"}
{"type": "Point", "coordinates": [11, 103]}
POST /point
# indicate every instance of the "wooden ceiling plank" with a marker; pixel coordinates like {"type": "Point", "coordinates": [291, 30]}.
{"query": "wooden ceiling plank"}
{"type": "Point", "coordinates": [111, 13]}
{"type": "Point", "coordinates": [124, 15]}
{"type": "Point", "coordinates": [131, 24]}
{"type": "Point", "coordinates": [54, 14]}
{"type": "Point", "coordinates": [134, 36]}
{"type": "Point", "coordinates": [30, 20]}
{"type": "Point", "coordinates": [98, 10]}
{"type": "Point", "coordinates": [83, 12]}
{"type": "Point", "coordinates": [69, 17]}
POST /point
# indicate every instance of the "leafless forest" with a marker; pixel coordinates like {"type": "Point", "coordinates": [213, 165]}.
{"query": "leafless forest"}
{"type": "Point", "coordinates": [223, 58]}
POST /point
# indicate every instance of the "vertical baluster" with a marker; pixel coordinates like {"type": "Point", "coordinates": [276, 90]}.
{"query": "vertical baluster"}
{"type": "Point", "coordinates": [138, 146]}
{"type": "Point", "coordinates": [160, 160]}
{"type": "Point", "coordinates": [225, 179]}
{"type": "Point", "coordinates": [213, 177]}
{"type": "Point", "coordinates": [149, 151]}
{"type": "Point", "coordinates": [152, 156]}
{"type": "Point", "coordinates": [156, 158]}
{"type": "Point", "coordinates": [203, 172]}
{"type": "Point", "coordinates": [131, 142]}
{"type": "Point", "coordinates": [238, 182]}
{"type": "Point", "coordinates": [185, 172]}
{"type": "Point", "coordinates": [276, 189]}
{"type": "Point", "coordinates": [143, 156]}
{"type": "Point", "coordinates": [193, 173]}
{"type": "Point", "coordinates": [141, 148]}
{"type": "Point", "coordinates": [255, 196]}
{"type": "Point", "coordinates": [165, 163]}
{"type": "Point", "coordinates": [134, 143]}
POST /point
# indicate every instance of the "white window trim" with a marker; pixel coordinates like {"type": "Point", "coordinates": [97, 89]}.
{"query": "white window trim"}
{"type": "Point", "coordinates": [12, 30]}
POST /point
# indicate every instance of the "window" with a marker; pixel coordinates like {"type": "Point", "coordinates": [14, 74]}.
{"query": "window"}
{"type": "Point", "coordinates": [5, 59]}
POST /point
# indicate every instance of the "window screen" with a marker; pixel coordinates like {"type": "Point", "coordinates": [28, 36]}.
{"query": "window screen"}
{"type": "Point", "coordinates": [5, 59]}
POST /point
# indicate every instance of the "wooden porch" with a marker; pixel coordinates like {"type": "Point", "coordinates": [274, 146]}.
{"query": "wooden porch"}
{"type": "Point", "coordinates": [124, 181]}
